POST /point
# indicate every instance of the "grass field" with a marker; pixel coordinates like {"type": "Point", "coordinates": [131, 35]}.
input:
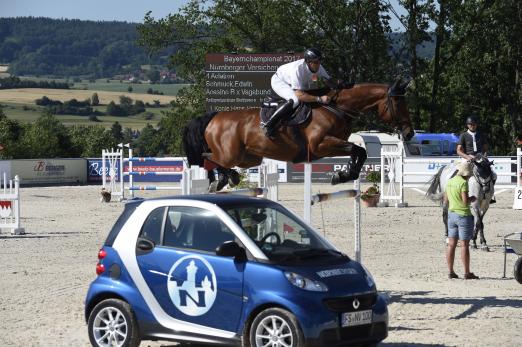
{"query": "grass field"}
{"type": "Point", "coordinates": [29, 95]}
{"type": "Point", "coordinates": [114, 85]}
{"type": "Point", "coordinates": [20, 104]}
{"type": "Point", "coordinates": [30, 113]}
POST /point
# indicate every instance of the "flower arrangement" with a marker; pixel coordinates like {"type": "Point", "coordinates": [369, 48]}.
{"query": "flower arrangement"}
{"type": "Point", "coordinates": [373, 191]}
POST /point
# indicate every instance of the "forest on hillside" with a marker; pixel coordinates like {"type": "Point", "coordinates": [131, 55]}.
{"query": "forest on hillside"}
{"type": "Point", "coordinates": [64, 47]}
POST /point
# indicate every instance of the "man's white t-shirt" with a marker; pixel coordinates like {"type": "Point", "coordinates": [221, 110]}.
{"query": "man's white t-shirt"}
{"type": "Point", "coordinates": [299, 77]}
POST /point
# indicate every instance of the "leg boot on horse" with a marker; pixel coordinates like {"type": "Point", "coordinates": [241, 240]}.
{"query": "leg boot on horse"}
{"type": "Point", "coordinates": [359, 156]}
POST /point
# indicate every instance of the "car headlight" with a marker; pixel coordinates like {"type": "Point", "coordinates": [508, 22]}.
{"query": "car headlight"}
{"type": "Point", "coordinates": [368, 276]}
{"type": "Point", "coordinates": [305, 283]}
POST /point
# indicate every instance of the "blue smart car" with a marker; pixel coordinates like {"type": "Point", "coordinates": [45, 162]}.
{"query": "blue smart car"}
{"type": "Point", "coordinates": [229, 270]}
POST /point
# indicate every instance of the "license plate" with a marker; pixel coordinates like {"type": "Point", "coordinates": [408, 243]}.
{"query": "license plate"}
{"type": "Point", "coordinates": [350, 319]}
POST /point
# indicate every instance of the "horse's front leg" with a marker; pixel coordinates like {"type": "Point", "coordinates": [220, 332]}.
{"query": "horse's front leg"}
{"type": "Point", "coordinates": [331, 146]}
{"type": "Point", "coordinates": [478, 227]}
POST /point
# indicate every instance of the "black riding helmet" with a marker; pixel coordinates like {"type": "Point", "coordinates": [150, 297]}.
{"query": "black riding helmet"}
{"type": "Point", "coordinates": [312, 54]}
{"type": "Point", "coordinates": [472, 119]}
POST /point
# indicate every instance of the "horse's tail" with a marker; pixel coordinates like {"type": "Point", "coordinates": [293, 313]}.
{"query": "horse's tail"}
{"type": "Point", "coordinates": [194, 142]}
{"type": "Point", "coordinates": [434, 191]}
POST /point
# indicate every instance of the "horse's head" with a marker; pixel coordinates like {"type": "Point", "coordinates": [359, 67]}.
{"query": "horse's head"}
{"type": "Point", "coordinates": [388, 101]}
{"type": "Point", "coordinates": [394, 110]}
{"type": "Point", "coordinates": [482, 167]}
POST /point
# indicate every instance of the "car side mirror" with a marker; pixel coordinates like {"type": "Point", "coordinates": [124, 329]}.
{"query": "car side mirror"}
{"type": "Point", "coordinates": [231, 249]}
{"type": "Point", "coordinates": [144, 246]}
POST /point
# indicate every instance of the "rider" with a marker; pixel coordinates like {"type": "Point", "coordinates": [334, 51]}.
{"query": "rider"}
{"type": "Point", "coordinates": [292, 81]}
{"type": "Point", "coordinates": [473, 142]}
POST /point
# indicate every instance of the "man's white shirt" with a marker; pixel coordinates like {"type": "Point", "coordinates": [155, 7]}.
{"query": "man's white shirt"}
{"type": "Point", "coordinates": [299, 77]}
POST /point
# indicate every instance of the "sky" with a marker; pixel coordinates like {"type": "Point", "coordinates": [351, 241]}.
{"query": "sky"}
{"type": "Point", "coordinates": [108, 10]}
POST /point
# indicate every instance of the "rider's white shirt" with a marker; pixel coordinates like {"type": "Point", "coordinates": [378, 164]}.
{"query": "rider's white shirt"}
{"type": "Point", "coordinates": [299, 77]}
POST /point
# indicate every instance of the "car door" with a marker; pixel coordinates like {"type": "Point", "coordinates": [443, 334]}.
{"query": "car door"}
{"type": "Point", "coordinates": [189, 281]}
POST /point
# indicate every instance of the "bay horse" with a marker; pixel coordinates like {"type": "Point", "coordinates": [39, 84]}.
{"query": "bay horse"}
{"type": "Point", "coordinates": [234, 138]}
{"type": "Point", "coordinates": [481, 185]}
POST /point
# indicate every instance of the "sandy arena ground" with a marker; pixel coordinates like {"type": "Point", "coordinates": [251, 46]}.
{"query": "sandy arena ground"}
{"type": "Point", "coordinates": [45, 274]}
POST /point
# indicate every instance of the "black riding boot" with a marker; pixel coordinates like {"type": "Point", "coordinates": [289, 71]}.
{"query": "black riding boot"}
{"type": "Point", "coordinates": [282, 112]}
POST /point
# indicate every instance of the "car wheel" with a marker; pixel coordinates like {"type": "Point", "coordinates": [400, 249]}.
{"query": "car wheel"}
{"type": "Point", "coordinates": [112, 323]}
{"type": "Point", "coordinates": [518, 270]}
{"type": "Point", "coordinates": [275, 327]}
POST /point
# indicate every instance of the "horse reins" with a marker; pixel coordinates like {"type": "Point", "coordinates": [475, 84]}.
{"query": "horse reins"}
{"type": "Point", "coordinates": [356, 115]}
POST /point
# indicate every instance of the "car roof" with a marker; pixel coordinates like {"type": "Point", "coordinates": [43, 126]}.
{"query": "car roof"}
{"type": "Point", "coordinates": [222, 200]}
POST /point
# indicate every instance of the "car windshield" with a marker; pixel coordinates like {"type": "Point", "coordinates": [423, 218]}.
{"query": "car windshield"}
{"type": "Point", "coordinates": [281, 236]}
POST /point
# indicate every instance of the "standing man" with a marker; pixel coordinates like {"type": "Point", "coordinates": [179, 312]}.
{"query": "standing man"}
{"type": "Point", "coordinates": [473, 142]}
{"type": "Point", "coordinates": [460, 219]}
{"type": "Point", "coordinates": [292, 81]}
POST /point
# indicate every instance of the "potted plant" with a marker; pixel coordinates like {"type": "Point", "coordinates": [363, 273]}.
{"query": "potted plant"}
{"type": "Point", "coordinates": [370, 196]}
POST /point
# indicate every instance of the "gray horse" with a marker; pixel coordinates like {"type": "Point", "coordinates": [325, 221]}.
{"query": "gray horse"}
{"type": "Point", "coordinates": [481, 185]}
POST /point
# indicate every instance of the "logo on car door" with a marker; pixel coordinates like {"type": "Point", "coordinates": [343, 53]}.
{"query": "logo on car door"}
{"type": "Point", "coordinates": [192, 285]}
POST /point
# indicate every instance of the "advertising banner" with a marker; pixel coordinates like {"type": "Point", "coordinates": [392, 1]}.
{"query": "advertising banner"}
{"type": "Point", "coordinates": [424, 168]}
{"type": "Point", "coordinates": [322, 169]}
{"type": "Point", "coordinates": [145, 168]}
{"type": "Point", "coordinates": [253, 173]}
{"type": "Point", "coordinates": [50, 171]}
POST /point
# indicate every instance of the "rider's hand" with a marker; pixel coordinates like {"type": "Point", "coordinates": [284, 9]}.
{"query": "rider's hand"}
{"type": "Point", "coordinates": [325, 99]}
{"type": "Point", "coordinates": [471, 157]}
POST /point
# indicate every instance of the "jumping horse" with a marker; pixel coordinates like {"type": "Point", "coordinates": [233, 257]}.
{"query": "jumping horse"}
{"type": "Point", "coordinates": [234, 138]}
{"type": "Point", "coordinates": [481, 185]}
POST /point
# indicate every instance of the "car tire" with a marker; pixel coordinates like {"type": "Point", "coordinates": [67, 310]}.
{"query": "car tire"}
{"type": "Point", "coordinates": [287, 328]}
{"type": "Point", "coordinates": [517, 272]}
{"type": "Point", "coordinates": [112, 320]}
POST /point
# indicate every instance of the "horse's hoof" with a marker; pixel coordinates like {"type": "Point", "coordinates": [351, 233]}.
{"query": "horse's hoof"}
{"type": "Point", "coordinates": [484, 248]}
{"type": "Point", "coordinates": [233, 178]}
{"type": "Point", "coordinates": [335, 179]}
{"type": "Point", "coordinates": [343, 177]}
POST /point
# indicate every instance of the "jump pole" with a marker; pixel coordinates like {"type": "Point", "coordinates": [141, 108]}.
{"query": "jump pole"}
{"type": "Point", "coordinates": [355, 193]}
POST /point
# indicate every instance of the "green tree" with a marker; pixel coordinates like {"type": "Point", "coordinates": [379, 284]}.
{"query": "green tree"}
{"type": "Point", "coordinates": [147, 143]}
{"type": "Point", "coordinates": [46, 138]}
{"type": "Point", "coordinates": [153, 75]}
{"type": "Point", "coordinates": [10, 133]}
{"type": "Point", "coordinates": [95, 101]}
{"type": "Point", "coordinates": [116, 132]}
{"type": "Point", "coordinates": [89, 141]}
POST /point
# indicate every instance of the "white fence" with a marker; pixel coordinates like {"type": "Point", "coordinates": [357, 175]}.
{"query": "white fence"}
{"type": "Point", "coordinates": [10, 205]}
{"type": "Point", "coordinates": [194, 180]}
{"type": "Point", "coordinates": [416, 172]}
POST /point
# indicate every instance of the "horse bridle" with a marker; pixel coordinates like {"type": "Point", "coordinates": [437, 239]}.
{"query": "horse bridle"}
{"type": "Point", "coordinates": [391, 109]}
{"type": "Point", "coordinates": [355, 114]}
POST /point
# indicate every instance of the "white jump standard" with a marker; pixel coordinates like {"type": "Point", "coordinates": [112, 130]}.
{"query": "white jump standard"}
{"type": "Point", "coordinates": [10, 205]}
{"type": "Point", "coordinates": [310, 199]}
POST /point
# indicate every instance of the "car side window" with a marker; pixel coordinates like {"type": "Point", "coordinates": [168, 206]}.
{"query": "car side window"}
{"type": "Point", "coordinates": [195, 228]}
{"type": "Point", "coordinates": [151, 229]}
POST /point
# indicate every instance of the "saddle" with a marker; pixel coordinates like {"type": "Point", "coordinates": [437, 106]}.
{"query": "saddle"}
{"type": "Point", "coordinates": [271, 103]}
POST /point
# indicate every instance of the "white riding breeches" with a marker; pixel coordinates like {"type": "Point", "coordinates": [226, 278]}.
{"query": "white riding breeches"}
{"type": "Point", "coordinates": [284, 90]}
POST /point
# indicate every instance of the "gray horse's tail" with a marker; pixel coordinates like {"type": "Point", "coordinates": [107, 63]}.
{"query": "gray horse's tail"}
{"type": "Point", "coordinates": [435, 192]}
